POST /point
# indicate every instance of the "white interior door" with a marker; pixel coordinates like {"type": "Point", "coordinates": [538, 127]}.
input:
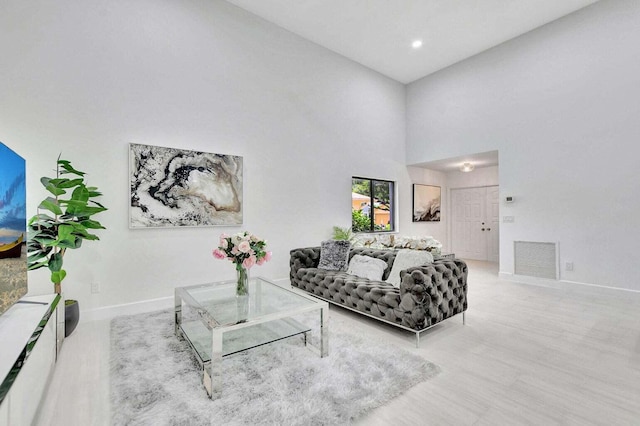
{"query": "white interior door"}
{"type": "Point", "coordinates": [467, 239]}
{"type": "Point", "coordinates": [493, 223]}
{"type": "Point", "coordinates": [475, 225]}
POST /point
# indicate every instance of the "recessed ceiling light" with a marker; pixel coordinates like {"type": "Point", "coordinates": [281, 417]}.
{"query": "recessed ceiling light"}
{"type": "Point", "coordinates": [417, 44]}
{"type": "Point", "coordinates": [467, 167]}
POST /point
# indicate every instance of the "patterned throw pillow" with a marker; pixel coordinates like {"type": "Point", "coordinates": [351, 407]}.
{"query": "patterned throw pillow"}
{"type": "Point", "coordinates": [334, 255]}
{"type": "Point", "coordinates": [367, 267]}
{"type": "Point", "coordinates": [406, 259]}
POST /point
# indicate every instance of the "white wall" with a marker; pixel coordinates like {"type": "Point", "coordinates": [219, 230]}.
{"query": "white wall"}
{"type": "Point", "coordinates": [86, 78]}
{"type": "Point", "coordinates": [480, 176]}
{"type": "Point", "coordinates": [561, 105]}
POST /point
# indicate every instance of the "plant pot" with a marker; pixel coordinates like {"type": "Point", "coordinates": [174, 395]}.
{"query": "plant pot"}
{"type": "Point", "coordinates": [71, 316]}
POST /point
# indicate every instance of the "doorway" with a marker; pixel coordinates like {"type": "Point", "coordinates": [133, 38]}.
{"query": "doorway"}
{"type": "Point", "coordinates": [475, 232]}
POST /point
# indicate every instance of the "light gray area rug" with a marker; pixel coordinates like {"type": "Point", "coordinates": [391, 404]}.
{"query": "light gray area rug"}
{"type": "Point", "coordinates": [156, 381]}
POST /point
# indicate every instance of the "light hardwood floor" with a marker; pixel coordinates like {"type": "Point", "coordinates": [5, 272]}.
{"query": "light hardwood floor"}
{"type": "Point", "coordinates": [528, 355]}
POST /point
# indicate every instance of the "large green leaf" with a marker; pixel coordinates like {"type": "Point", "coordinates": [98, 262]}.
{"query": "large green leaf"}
{"type": "Point", "coordinates": [78, 230]}
{"type": "Point", "coordinates": [56, 191]}
{"type": "Point", "coordinates": [47, 241]}
{"type": "Point", "coordinates": [92, 224]}
{"type": "Point", "coordinates": [85, 212]}
{"type": "Point", "coordinates": [38, 265]}
{"type": "Point", "coordinates": [91, 237]}
{"type": "Point", "coordinates": [72, 242]}
{"type": "Point", "coordinates": [81, 193]}
{"type": "Point", "coordinates": [55, 262]}
{"type": "Point", "coordinates": [36, 256]}
{"type": "Point", "coordinates": [66, 183]}
{"type": "Point", "coordinates": [73, 203]}
{"type": "Point", "coordinates": [65, 232]}
{"type": "Point", "coordinates": [68, 168]}
{"type": "Point", "coordinates": [58, 276]}
{"type": "Point", "coordinates": [72, 207]}
{"type": "Point", "coordinates": [93, 191]}
{"type": "Point", "coordinates": [50, 185]}
{"type": "Point", "coordinates": [41, 217]}
{"type": "Point", "coordinates": [51, 205]}
{"type": "Point", "coordinates": [95, 203]}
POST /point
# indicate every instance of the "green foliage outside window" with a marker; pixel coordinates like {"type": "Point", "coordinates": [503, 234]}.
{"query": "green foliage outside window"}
{"type": "Point", "coordinates": [360, 222]}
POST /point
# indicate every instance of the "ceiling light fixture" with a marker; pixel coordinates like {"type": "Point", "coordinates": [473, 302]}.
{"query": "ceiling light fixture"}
{"type": "Point", "coordinates": [417, 44]}
{"type": "Point", "coordinates": [467, 167]}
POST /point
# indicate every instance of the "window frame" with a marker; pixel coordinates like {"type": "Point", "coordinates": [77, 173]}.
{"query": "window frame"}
{"type": "Point", "coordinates": [392, 205]}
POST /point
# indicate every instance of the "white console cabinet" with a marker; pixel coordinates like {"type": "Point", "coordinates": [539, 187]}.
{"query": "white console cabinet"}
{"type": "Point", "coordinates": [31, 335]}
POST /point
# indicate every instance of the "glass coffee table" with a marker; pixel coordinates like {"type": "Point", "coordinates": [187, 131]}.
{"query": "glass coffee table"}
{"type": "Point", "coordinates": [216, 323]}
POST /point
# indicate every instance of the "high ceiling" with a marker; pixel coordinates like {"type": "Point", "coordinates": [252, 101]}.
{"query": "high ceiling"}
{"type": "Point", "coordinates": [379, 33]}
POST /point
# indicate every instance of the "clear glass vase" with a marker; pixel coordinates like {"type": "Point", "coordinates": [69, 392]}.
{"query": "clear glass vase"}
{"type": "Point", "coordinates": [242, 293]}
{"type": "Point", "coordinates": [242, 283]}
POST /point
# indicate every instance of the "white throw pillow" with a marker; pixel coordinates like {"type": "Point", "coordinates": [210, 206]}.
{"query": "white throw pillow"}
{"type": "Point", "coordinates": [367, 267]}
{"type": "Point", "coordinates": [406, 259]}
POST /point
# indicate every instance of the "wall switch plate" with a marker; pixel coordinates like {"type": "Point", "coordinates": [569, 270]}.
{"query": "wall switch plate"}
{"type": "Point", "coordinates": [95, 287]}
{"type": "Point", "coordinates": [568, 266]}
{"type": "Point", "coordinates": [508, 219]}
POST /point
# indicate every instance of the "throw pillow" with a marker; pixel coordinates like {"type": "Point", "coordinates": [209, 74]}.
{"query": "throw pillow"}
{"type": "Point", "coordinates": [367, 267]}
{"type": "Point", "coordinates": [407, 259]}
{"type": "Point", "coordinates": [334, 255]}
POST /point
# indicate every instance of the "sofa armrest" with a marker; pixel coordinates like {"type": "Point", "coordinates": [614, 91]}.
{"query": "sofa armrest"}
{"type": "Point", "coordinates": [436, 291]}
{"type": "Point", "coordinates": [303, 258]}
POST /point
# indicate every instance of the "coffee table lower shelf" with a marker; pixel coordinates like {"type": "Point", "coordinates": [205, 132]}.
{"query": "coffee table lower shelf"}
{"type": "Point", "coordinates": [235, 341]}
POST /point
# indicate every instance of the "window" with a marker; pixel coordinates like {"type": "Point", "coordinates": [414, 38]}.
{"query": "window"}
{"type": "Point", "coordinates": [372, 205]}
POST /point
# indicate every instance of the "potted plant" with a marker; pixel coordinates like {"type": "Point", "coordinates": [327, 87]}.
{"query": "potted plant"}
{"type": "Point", "coordinates": [63, 222]}
{"type": "Point", "coordinates": [343, 234]}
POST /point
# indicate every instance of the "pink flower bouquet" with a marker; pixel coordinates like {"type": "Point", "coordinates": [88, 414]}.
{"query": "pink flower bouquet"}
{"type": "Point", "coordinates": [244, 249]}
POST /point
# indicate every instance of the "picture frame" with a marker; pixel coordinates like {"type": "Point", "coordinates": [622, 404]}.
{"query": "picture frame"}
{"type": "Point", "coordinates": [13, 228]}
{"type": "Point", "coordinates": [172, 187]}
{"type": "Point", "coordinates": [427, 200]}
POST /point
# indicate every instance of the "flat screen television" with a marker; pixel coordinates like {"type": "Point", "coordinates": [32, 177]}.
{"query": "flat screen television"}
{"type": "Point", "coordinates": [13, 225]}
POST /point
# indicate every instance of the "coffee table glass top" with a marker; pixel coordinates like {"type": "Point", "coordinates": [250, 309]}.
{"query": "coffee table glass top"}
{"type": "Point", "coordinates": [218, 301]}
{"type": "Point", "coordinates": [217, 323]}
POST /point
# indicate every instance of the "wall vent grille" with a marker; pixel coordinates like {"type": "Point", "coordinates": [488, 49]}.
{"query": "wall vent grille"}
{"type": "Point", "coordinates": [535, 259]}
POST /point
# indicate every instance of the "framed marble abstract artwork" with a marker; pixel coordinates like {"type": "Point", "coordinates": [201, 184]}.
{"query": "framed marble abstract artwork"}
{"type": "Point", "coordinates": [426, 203]}
{"type": "Point", "coordinates": [173, 187]}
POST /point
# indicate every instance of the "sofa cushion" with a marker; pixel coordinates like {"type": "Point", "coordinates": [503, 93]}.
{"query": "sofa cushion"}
{"type": "Point", "coordinates": [334, 255]}
{"type": "Point", "coordinates": [406, 259]}
{"type": "Point", "coordinates": [367, 267]}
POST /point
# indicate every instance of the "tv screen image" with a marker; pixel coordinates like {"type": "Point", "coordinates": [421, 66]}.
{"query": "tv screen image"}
{"type": "Point", "coordinates": [13, 225]}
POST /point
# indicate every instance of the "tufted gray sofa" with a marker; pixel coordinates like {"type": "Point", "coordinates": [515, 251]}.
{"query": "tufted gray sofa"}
{"type": "Point", "coordinates": [427, 295]}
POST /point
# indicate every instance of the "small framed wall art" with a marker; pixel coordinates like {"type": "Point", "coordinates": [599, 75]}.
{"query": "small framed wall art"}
{"type": "Point", "coordinates": [172, 187]}
{"type": "Point", "coordinates": [426, 203]}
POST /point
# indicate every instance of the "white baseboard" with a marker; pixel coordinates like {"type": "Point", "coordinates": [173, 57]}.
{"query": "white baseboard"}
{"type": "Point", "coordinates": [561, 284]}
{"type": "Point", "coordinates": [108, 312]}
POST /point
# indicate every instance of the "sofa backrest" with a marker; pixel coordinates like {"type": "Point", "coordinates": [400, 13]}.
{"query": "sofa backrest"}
{"type": "Point", "coordinates": [309, 257]}
{"type": "Point", "coordinates": [386, 255]}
